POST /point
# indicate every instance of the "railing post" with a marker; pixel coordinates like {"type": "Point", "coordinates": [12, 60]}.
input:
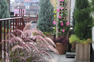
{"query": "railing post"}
{"type": "Point", "coordinates": [16, 22]}
{"type": "Point", "coordinates": [19, 12]}
{"type": "Point", "coordinates": [37, 17]}
{"type": "Point", "coordinates": [0, 40]}
{"type": "Point", "coordinates": [23, 13]}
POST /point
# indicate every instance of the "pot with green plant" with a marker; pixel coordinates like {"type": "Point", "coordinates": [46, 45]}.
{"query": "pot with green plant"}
{"type": "Point", "coordinates": [63, 24]}
{"type": "Point", "coordinates": [82, 48]}
{"type": "Point", "coordinates": [83, 30]}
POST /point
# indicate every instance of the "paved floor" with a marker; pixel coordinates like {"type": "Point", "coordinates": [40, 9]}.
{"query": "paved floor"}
{"type": "Point", "coordinates": [60, 58]}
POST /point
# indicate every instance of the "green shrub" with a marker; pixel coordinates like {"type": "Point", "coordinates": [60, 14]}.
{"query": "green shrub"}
{"type": "Point", "coordinates": [45, 16]}
{"type": "Point", "coordinates": [83, 19]}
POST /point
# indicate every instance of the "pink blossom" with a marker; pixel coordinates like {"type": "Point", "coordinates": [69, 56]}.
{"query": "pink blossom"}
{"type": "Point", "coordinates": [62, 23]}
{"type": "Point", "coordinates": [59, 17]}
{"type": "Point", "coordinates": [63, 30]}
{"type": "Point", "coordinates": [58, 10]}
{"type": "Point", "coordinates": [61, 0]}
{"type": "Point", "coordinates": [61, 8]}
{"type": "Point", "coordinates": [67, 23]}
{"type": "Point", "coordinates": [54, 22]}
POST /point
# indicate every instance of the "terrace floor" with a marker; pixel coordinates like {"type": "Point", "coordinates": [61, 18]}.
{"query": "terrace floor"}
{"type": "Point", "coordinates": [60, 58]}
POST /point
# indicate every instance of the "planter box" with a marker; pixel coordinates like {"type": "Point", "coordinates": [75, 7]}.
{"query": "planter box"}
{"type": "Point", "coordinates": [82, 53]}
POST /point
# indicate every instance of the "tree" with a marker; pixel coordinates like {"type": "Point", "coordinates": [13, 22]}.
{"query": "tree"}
{"type": "Point", "coordinates": [45, 16]}
{"type": "Point", "coordinates": [83, 19]}
{"type": "Point", "coordinates": [4, 13]}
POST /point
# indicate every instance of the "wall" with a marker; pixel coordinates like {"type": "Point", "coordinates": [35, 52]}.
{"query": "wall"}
{"type": "Point", "coordinates": [53, 2]}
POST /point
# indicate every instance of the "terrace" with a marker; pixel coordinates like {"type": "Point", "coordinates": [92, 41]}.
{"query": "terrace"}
{"type": "Point", "coordinates": [48, 36]}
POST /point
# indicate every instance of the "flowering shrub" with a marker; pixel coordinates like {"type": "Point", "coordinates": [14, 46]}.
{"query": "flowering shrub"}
{"type": "Point", "coordinates": [63, 25]}
{"type": "Point", "coordinates": [23, 48]}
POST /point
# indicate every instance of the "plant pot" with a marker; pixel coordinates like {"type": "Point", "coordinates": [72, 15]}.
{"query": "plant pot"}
{"type": "Point", "coordinates": [61, 48]}
{"type": "Point", "coordinates": [82, 52]}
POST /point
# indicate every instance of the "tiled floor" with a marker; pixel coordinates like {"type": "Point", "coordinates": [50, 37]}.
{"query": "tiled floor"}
{"type": "Point", "coordinates": [60, 58]}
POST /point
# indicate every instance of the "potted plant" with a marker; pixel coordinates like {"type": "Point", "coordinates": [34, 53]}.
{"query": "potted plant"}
{"type": "Point", "coordinates": [82, 48]}
{"type": "Point", "coordinates": [83, 30]}
{"type": "Point", "coordinates": [61, 44]}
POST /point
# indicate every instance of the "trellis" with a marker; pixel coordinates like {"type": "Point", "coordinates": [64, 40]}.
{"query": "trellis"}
{"type": "Point", "coordinates": [60, 4]}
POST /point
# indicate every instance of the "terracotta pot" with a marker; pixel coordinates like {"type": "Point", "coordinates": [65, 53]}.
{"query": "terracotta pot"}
{"type": "Point", "coordinates": [61, 48]}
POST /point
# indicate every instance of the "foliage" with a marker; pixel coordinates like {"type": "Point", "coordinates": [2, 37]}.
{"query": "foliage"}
{"type": "Point", "coordinates": [45, 16]}
{"type": "Point", "coordinates": [23, 48]}
{"type": "Point", "coordinates": [83, 19]}
{"type": "Point", "coordinates": [62, 40]}
{"type": "Point", "coordinates": [4, 13]}
{"type": "Point", "coordinates": [47, 33]}
{"type": "Point", "coordinates": [5, 30]}
{"type": "Point", "coordinates": [4, 9]}
{"type": "Point", "coordinates": [74, 23]}
{"type": "Point", "coordinates": [74, 38]}
{"type": "Point", "coordinates": [63, 25]}
{"type": "Point", "coordinates": [92, 5]}
{"type": "Point", "coordinates": [55, 16]}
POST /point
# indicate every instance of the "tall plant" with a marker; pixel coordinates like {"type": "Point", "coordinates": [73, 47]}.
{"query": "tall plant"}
{"type": "Point", "coordinates": [4, 13]}
{"type": "Point", "coordinates": [83, 19]}
{"type": "Point", "coordinates": [63, 24]}
{"type": "Point", "coordinates": [45, 16]}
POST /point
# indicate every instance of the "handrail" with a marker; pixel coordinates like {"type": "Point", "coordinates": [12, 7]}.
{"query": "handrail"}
{"type": "Point", "coordinates": [8, 25]}
{"type": "Point", "coordinates": [4, 19]}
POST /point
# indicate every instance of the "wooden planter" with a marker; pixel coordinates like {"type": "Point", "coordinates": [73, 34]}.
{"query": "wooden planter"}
{"type": "Point", "coordinates": [61, 48]}
{"type": "Point", "coordinates": [82, 52]}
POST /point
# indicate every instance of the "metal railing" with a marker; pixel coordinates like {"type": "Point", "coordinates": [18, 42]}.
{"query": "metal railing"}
{"type": "Point", "coordinates": [7, 25]}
